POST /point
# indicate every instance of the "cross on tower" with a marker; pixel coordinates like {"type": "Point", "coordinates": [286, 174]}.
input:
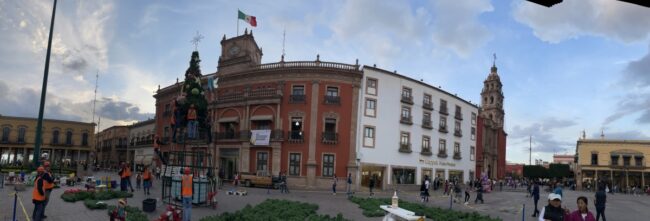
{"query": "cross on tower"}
{"type": "Point", "coordinates": [195, 41]}
{"type": "Point", "coordinates": [494, 62]}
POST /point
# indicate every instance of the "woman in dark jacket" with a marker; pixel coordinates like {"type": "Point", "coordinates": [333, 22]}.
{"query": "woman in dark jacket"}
{"type": "Point", "coordinates": [553, 211]}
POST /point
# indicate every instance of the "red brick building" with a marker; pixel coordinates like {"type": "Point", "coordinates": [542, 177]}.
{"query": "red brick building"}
{"type": "Point", "coordinates": [514, 170]}
{"type": "Point", "coordinates": [304, 107]}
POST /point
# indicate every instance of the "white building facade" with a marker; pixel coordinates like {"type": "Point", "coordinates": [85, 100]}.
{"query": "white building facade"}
{"type": "Point", "coordinates": [140, 147]}
{"type": "Point", "coordinates": [409, 130]}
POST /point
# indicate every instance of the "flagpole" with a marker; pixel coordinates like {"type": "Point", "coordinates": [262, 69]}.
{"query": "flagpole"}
{"type": "Point", "coordinates": [237, 22]}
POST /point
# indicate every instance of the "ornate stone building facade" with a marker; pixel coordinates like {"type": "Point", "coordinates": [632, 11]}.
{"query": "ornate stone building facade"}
{"type": "Point", "coordinates": [111, 146]}
{"type": "Point", "coordinates": [491, 143]}
{"type": "Point", "coordinates": [64, 141]}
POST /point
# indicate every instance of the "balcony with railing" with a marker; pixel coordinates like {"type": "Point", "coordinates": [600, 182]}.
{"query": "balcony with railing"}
{"type": "Point", "coordinates": [427, 124]}
{"type": "Point", "coordinates": [297, 98]}
{"type": "Point", "coordinates": [308, 64]}
{"type": "Point", "coordinates": [17, 142]}
{"type": "Point", "coordinates": [405, 147]}
{"type": "Point", "coordinates": [457, 156]}
{"type": "Point", "coordinates": [428, 106]}
{"type": "Point", "coordinates": [407, 99]}
{"type": "Point", "coordinates": [442, 154]}
{"type": "Point", "coordinates": [332, 99]}
{"type": "Point", "coordinates": [458, 133]}
{"type": "Point", "coordinates": [426, 151]}
{"type": "Point", "coordinates": [406, 120]}
{"type": "Point", "coordinates": [253, 94]}
{"type": "Point", "coordinates": [458, 115]}
{"type": "Point", "coordinates": [329, 137]}
{"type": "Point", "coordinates": [443, 129]}
{"type": "Point", "coordinates": [228, 136]}
{"type": "Point", "coordinates": [295, 136]}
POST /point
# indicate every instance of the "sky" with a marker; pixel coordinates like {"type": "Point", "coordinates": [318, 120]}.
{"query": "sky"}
{"type": "Point", "coordinates": [580, 65]}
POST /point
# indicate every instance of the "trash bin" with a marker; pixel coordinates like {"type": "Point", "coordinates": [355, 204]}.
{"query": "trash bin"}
{"type": "Point", "coordinates": [149, 205]}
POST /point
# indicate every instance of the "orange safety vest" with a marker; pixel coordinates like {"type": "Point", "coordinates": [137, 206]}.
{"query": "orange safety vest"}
{"type": "Point", "coordinates": [48, 185]}
{"type": "Point", "coordinates": [187, 186]}
{"type": "Point", "coordinates": [35, 194]}
{"type": "Point", "coordinates": [191, 114]}
{"type": "Point", "coordinates": [125, 172]}
{"type": "Point", "coordinates": [146, 175]}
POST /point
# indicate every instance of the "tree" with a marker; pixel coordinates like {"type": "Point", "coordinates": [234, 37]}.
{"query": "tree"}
{"type": "Point", "coordinates": [557, 170]}
{"type": "Point", "coordinates": [192, 92]}
{"type": "Point", "coordinates": [535, 171]}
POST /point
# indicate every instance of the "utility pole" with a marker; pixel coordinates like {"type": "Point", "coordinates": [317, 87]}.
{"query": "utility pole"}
{"type": "Point", "coordinates": [530, 150]}
{"type": "Point", "coordinates": [39, 125]}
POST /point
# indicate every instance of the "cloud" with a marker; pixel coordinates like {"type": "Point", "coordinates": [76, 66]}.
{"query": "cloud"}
{"type": "Point", "coordinates": [632, 103]}
{"type": "Point", "coordinates": [575, 18]}
{"type": "Point", "coordinates": [113, 109]}
{"type": "Point", "coordinates": [457, 26]}
{"type": "Point", "coordinates": [543, 135]}
{"type": "Point", "coordinates": [637, 73]}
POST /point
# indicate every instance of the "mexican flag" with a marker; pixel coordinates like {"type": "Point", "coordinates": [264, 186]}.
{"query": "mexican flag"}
{"type": "Point", "coordinates": [250, 19]}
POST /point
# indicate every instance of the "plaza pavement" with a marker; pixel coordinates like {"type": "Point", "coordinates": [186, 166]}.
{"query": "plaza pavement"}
{"type": "Point", "coordinates": [507, 204]}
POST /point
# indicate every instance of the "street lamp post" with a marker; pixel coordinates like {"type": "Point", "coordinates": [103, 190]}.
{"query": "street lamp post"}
{"type": "Point", "coordinates": [39, 127]}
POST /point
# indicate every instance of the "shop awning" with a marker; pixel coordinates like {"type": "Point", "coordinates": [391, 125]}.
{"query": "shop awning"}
{"type": "Point", "coordinates": [262, 117]}
{"type": "Point", "coordinates": [228, 119]}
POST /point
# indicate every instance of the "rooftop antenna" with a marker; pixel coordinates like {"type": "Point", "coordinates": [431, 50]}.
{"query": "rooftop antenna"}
{"type": "Point", "coordinates": [284, 37]}
{"type": "Point", "coordinates": [530, 150]}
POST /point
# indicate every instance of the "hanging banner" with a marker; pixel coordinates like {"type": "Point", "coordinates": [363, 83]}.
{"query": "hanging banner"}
{"type": "Point", "coordinates": [260, 137]}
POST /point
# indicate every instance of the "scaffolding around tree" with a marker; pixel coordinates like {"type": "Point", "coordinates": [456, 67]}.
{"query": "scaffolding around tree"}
{"type": "Point", "coordinates": [195, 155]}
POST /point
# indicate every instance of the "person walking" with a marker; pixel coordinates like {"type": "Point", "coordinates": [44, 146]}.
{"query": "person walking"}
{"type": "Point", "coordinates": [334, 180]}
{"type": "Point", "coordinates": [467, 196]}
{"type": "Point", "coordinates": [371, 185]}
{"type": "Point", "coordinates": [535, 195]}
{"type": "Point", "coordinates": [422, 188]}
{"type": "Point", "coordinates": [599, 202]}
{"type": "Point", "coordinates": [123, 177]}
{"type": "Point", "coordinates": [48, 185]}
{"type": "Point", "coordinates": [187, 194]}
{"type": "Point", "coordinates": [349, 185]}
{"type": "Point", "coordinates": [128, 177]}
{"type": "Point", "coordinates": [427, 185]}
{"type": "Point", "coordinates": [582, 213]}
{"type": "Point", "coordinates": [38, 195]}
{"type": "Point", "coordinates": [446, 187]}
{"type": "Point", "coordinates": [553, 211]}
{"type": "Point", "coordinates": [138, 181]}
{"type": "Point", "coordinates": [479, 194]}
{"type": "Point", "coordinates": [146, 176]}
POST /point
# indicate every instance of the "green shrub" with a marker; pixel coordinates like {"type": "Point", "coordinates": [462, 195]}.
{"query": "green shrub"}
{"type": "Point", "coordinates": [370, 207]}
{"type": "Point", "coordinates": [274, 209]}
{"type": "Point", "coordinates": [94, 204]}
{"type": "Point", "coordinates": [132, 213]}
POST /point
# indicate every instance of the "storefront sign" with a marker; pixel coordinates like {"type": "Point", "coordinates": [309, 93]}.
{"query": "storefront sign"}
{"type": "Point", "coordinates": [436, 163]}
{"type": "Point", "coordinates": [260, 137]}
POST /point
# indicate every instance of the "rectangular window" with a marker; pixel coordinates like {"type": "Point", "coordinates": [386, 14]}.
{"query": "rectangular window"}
{"type": "Point", "coordinates": [371, 86]}
{"type": "Point", "coordinates": [332, 91]}
{"type": "Point", "coordinates": [406, 113]}
{"type": "Point", "coordinates": [638, 161]}
{"type": "Point", "coordinates": [443, 123]}
{"type": "Point", "coordinates": [443, 106]}
{"type": "Point", "coordinates": [262, 161]}
{"type": "Point", "coordinates": [21, 135]}
{"type": "Point", "coordinates": [84, 139]}
{"type": "Point", "coordinates": [368, 136]}
{"type": "Point", "coordinates": [166, 132]}
{"type": "Point", "coordinates": [403, 176]}
{"type": "Point", "coordinates": [427, 100]}
{"type": "Point", "coordinates": [615, 160]}
{"type": "Point", "coordinates": [473, 118]}
{"type": "Point", "coordinates": [68, 138]}
{"type": "Point", "coordinates": [404, 139]}
{"type": "Point", "coordinates": [262, 124]}
{"type": "Point", "coordinates": [426, 144]}
{"type": "Point", "coordinates": [294, 164]}
{"type": "Point", "coordinates": [371, 107]}
{"type": "Point", "coordinates": [458, 113]}
{"type": "Point", "coordinates": [406, 92]}
{"type": "Point", "coordinates": [5, 134]}
{"type": "Point", "coordinates": [328, 165]}
{"type": "Point", "coordinates": [594, 159]}
{"type": "Point", "coordinates": [473, 133]}
{"type": "Point", "coordinates": [457, 126]}
{"type": "Point", "coordinates": [55, 137]}
{"type": "Point", "coordinates": [296, 129]}
{"type": "Point", "coordinates": [298, 90]}
{"type": "Point", "coordinates": [626, 160]}
{"type": "Point", "coordinates": [457, 149]}
{"type": "Point", "coordinates": [472, 152]}
{"type": "Point", "coordinates": [442, 147]}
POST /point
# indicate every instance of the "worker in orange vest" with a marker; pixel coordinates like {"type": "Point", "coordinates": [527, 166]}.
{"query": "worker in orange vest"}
{"type": "Point", "coordinates": [192, 122]}
{"type": "Point", "coordinates": [48, 184]}
{"type": "Point", "coordinates": [146, 176]}
{"type": "Point", "coordinates": [186, 192]}
{"type": "Point", "coordinates": [124, 176]}
{"type": "Point", "coordinates": [38, 196]}
{"type": "Point", "coordinates": [128, 176]}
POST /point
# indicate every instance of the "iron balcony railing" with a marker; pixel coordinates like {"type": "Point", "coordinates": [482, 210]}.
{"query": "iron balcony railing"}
{"type": "Point", "coordinates": [297, 99]}
{"type": "Point", "coordinates": [406, 120]}
{"type": "Point", "coordinates": [407, 99]}
{"type": "Point", "coordinates": [330, 137]}
{"type": "Point", "coordinates": [295, 136]}
{"type": "Point", "coordinates": [404, 147]}
{"type": "Point", "coordinates": [427, 124]}
{"type": "Point", "coordinates": [428, 106]}
{"type": "Point", "coordinates": [332, 99]}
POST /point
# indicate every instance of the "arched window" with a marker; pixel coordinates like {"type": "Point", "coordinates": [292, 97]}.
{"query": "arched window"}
{"type": "Point", "coordinates": [491, 100]}
{"type": "Point", "coordinates": [68, 138]}
{"type": "Point", "coordinates": [84, 139]}
{"type": "Point", "coordinates": [21, 135]}
{"type": "Point", "coordinates": [5, 134]}
{"type": "Point", "coordinates": [55, 137]}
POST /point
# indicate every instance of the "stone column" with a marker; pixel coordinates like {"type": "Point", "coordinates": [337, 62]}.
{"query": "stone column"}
{"type": "Point", "coordinates": [352, 159]}
{"type": "Point", "coordinates": [611, 178]}
{"type": "Point", "coordinates": [642, 179]}
{"type": "Point", "coordinates": [313, 120]}
{"type": "Point", "coordinates": [596, 175]}
{"type": "Point", "coordinates": [245, 157]}
{"type": "Point", "coordinates": [277, 155]}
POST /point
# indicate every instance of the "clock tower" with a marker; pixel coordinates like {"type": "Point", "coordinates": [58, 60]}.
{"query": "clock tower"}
{"type": "Point", "coordinates": [239, 53]}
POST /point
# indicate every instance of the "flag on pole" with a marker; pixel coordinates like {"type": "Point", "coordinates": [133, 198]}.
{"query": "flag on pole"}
{"type": "Point", "coordinates": [249, 19]}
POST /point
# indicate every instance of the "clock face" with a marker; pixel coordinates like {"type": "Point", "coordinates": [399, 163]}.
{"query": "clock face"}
{"type": "Point", "coordinates": [234, 50]}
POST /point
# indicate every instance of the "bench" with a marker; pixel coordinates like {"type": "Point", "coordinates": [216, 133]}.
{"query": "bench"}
{"type": "Point", "coordinates": [397, 213]}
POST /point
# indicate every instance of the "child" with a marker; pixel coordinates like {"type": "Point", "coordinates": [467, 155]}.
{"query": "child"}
{"type": "Point", "coordinates": [119, 214]}
{"type": "Point", "coordinates": [138, 181]}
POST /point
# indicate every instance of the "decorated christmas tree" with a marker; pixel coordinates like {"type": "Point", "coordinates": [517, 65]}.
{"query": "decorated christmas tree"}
{"type": "Point", "coordinates": [192, 94]}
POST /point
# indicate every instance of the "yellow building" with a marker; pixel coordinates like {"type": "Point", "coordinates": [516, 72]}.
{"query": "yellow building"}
{"type": "Point", "coordinates": [64, 141]}
{"type": "Point", "coordinates": [621, 163]}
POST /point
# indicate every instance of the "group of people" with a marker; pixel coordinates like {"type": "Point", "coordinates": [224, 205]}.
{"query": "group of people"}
{"type": "Point", "coordinates": [555, 212]}
{"type": "Point", "coordinates": [144, 179]}
{"type": "Point", "coordinates": [335, 180]}
{"type": "Point", "coordinates": [454, 187]}
{"type": "Point", "coordinates": [43, 185]}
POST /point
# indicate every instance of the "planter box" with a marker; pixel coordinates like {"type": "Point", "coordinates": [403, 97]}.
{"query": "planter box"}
{"type": "Point", "coordinates": [149, 205]}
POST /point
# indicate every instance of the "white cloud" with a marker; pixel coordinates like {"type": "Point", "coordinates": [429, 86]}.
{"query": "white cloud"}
{"type": "Point", "coordinates": [574, 18]}
{"type": "Point", "coordinates": [456, 25]}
